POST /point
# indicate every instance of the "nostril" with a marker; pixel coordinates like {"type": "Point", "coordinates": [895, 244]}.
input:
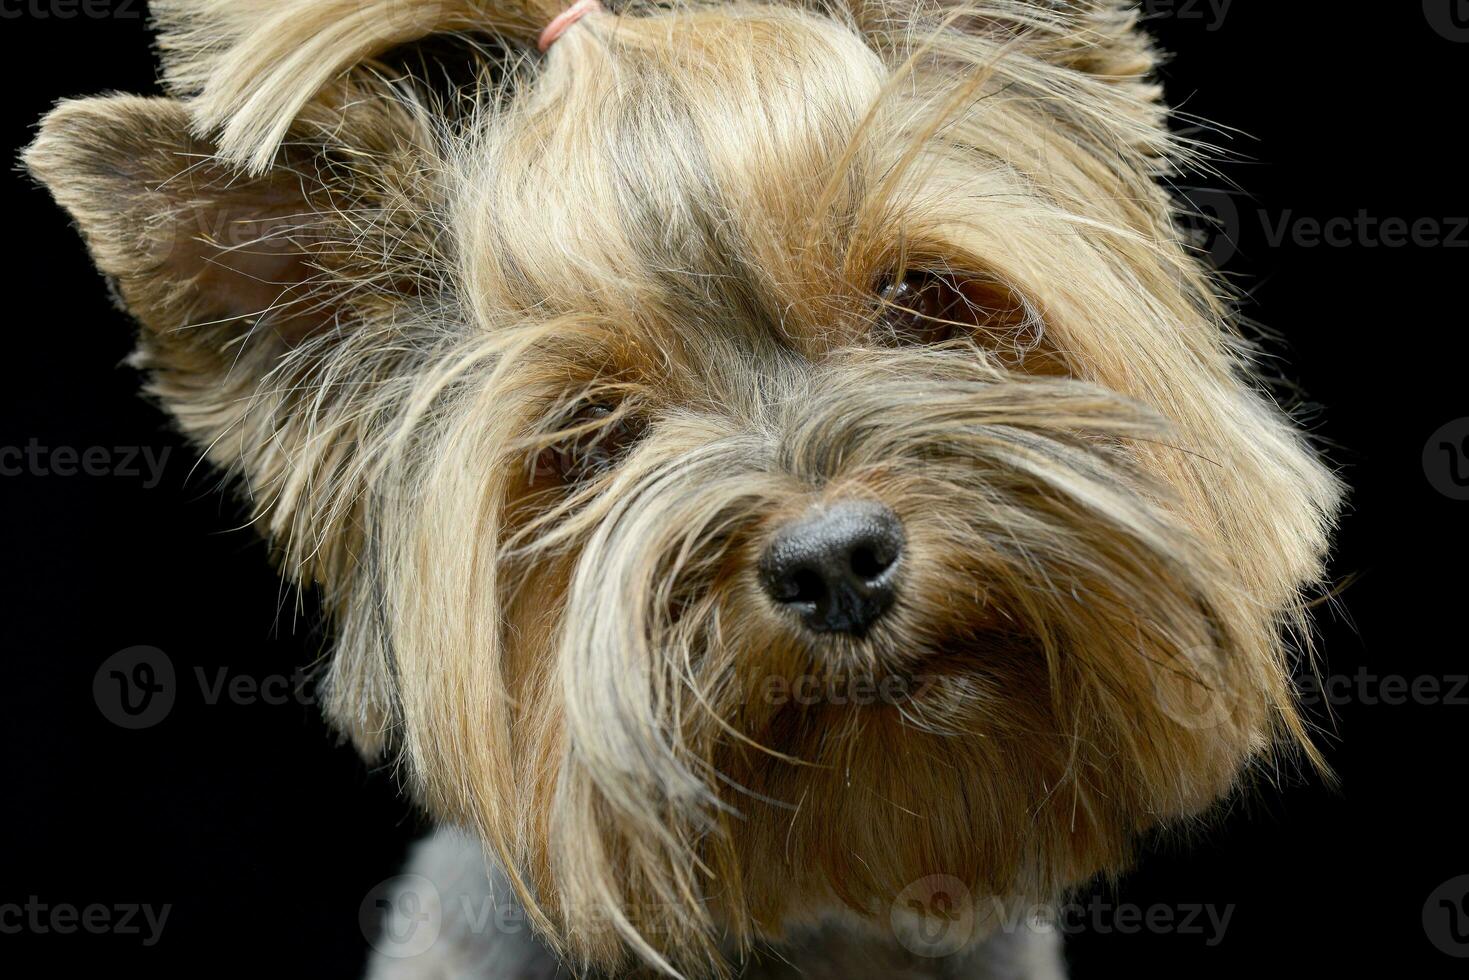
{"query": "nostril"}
{"type": "Point", "coordinates": [869, 561]}
{"type": "Point", "coordinates": [803, 585]}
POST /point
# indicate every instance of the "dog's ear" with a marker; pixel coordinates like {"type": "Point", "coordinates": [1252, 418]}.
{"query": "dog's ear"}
{"type": "Point", "coordinates": [1098, 39]}
{"type": "Point", "coordinates": [193, 249]}
{"type": "Point", "coordinates": [270, 309]}
{"type": "Point", "coordinates": [249, 289]}
{"type": "Point", "coordinates": [1085, 66]}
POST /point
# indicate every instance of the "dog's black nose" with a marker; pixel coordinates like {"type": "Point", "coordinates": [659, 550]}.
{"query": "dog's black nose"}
{"type": "Point", "coordinates": [836, 567]}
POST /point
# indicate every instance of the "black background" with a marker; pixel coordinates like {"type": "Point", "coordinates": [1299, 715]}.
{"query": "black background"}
{"type": "Point", "coordinates": [263, 836]}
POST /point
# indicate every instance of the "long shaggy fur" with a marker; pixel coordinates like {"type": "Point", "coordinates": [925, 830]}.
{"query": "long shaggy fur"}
{"type": "Point", "coordinates": [382, 309]}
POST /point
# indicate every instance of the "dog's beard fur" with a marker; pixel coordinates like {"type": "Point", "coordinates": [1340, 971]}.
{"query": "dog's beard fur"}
{"type": "Point", "coordinates": [1068, 662]}
{"type": "Point", "coordinates": [682, 216]}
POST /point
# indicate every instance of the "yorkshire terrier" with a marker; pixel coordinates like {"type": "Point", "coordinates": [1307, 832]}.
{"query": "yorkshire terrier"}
{"type": "Point", "coordinates": [784, 486]}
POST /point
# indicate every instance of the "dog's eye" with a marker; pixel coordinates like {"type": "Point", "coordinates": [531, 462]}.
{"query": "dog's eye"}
{"type": "Point", "coordinates": [599, 437]}
{"type": "Point", "coordinates": [921, 308]}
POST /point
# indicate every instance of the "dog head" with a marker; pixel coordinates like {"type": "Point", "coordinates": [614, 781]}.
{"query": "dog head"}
{"type": "Point", "coordinates": [756, 455]}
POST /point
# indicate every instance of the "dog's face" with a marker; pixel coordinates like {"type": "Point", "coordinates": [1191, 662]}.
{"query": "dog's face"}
{"type": "Point", "coordinates": [756, 457]}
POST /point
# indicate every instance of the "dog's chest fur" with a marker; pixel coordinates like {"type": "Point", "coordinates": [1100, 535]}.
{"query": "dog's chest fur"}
{"type": "Point", "coordinates": [481, 933]}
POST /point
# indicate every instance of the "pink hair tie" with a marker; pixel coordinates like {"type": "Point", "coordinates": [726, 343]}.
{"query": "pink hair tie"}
{"type": "Point", "coordinates": [563, 21]}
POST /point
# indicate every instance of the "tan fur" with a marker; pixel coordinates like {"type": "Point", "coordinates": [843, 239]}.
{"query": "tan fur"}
{"type": "Point", "coordinates": [682, 211]}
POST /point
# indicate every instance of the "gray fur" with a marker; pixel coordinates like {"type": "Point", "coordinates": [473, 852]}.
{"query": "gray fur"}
{"type": "Point", "coordinates": [447, 918]}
